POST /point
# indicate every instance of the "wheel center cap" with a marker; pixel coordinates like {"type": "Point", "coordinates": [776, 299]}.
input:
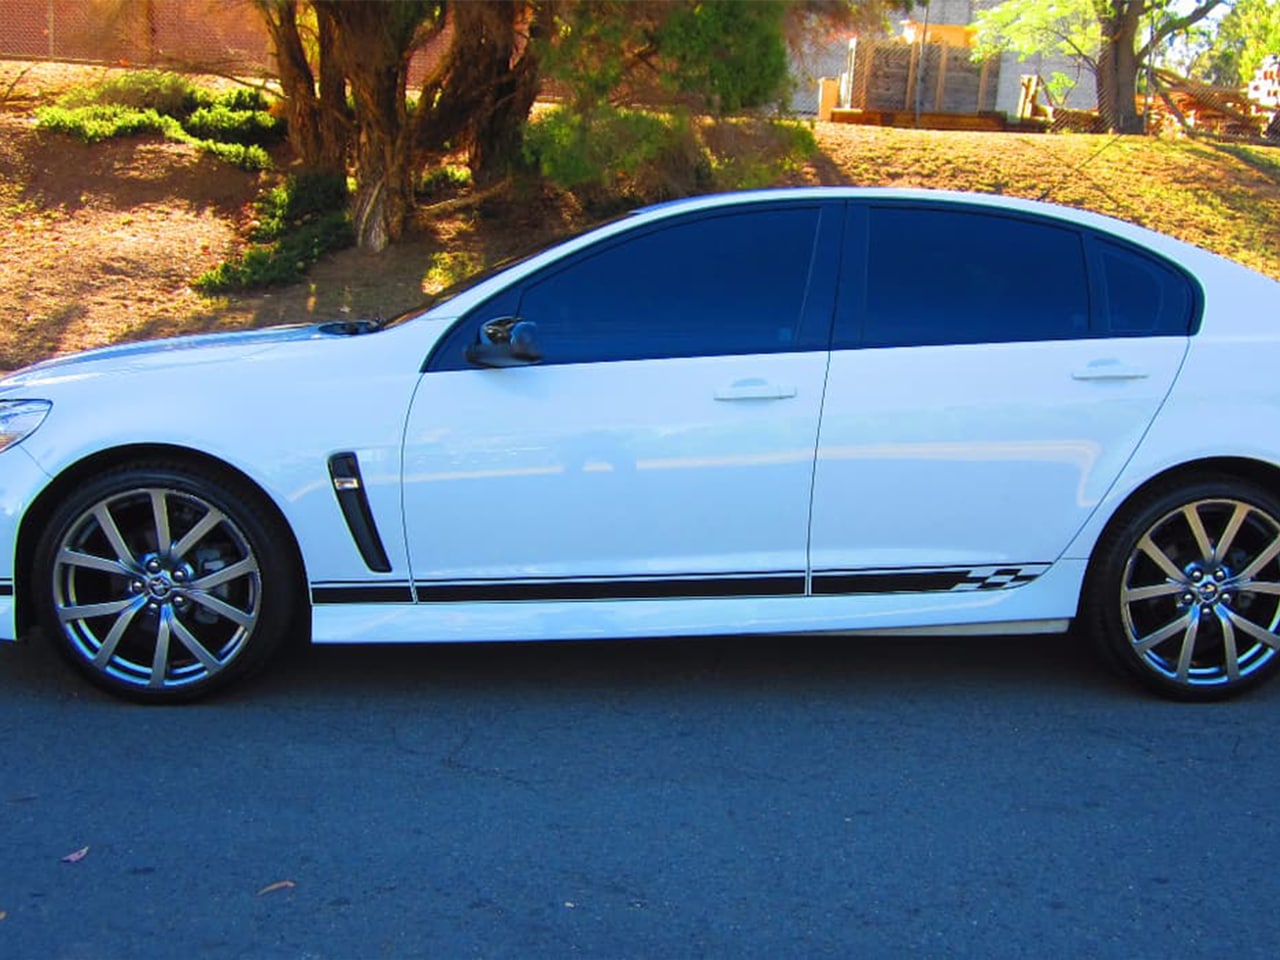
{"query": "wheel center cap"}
{"type": "Point", "coordinates": [159, 587]}
{"type": "Point", "coordinates": [1208, 591]}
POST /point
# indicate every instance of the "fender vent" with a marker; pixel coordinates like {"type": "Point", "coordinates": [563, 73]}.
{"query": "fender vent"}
{"type": "Point", "coordinates": [348, 487]}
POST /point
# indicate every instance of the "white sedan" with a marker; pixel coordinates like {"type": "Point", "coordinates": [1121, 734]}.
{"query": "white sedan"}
{"type": "Point", "coordinates": [793, 411]}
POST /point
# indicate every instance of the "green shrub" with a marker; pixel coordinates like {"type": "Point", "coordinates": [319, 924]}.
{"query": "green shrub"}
{"type": "Point", "coordinates": [298, 200]}
{"type": "Point", "coordinates": [626, 151]}
{"type": "Point", "coordinates": [226, 125]}
{"type": "Point", "coordinates": [637, 156]}
{"type": "Point", "coordinates": [284, 261]}
{"type": "Point", "coordinates": [299, 221]}
{"type": "Point", "coordinates": [169, 94]}
{"type": "Point", "coordinates": [236, 154]}
{"type": "Point", "coordinates": [242, 98]}
{"type": "Point", "coordinates": [443, 179]}
{"type": "Point", "coordinates": [747, 154]}
{"type": "Point", "coordinates": [93, 124]}
{"type": "Point", "coordinates": [232, 126]}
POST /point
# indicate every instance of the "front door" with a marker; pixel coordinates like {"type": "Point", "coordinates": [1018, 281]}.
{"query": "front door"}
{"type": "Point", "coordinates": [663, 446]}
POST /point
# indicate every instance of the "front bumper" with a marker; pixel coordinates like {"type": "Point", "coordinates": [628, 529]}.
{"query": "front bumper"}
{"type": "Point", "coordinates": [21, 480]}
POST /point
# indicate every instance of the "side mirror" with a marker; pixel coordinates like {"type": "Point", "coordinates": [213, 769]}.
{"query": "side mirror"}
{"type": "Point", "coordinates": [506, 342]}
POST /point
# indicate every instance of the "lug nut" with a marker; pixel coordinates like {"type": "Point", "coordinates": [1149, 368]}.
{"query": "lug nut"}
{"type": "Point", "coordinates": [1226, 598]}
{"type": "Point", "coordinates": [179, 575]}
{"type": "Point", "coordinates": [1220, 574]}
{"type": "Point", "coordinates": [135, 586]}
{"type": "Point", "coordinates": [1197, 576]}
{"type": "Point", "coordinates": [1188, 598]}
{"type": "Point", "coordinates": [153, 566]}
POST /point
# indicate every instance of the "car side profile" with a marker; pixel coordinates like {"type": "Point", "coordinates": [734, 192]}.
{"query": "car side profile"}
{"type": "Point", "coordinates": [827, 410]}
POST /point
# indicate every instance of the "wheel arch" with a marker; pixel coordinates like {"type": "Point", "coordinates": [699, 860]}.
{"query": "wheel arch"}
{"type": "Point", "coordinates": [1266, 475]}
{"type": "Point", "coordinates": [41, 510]}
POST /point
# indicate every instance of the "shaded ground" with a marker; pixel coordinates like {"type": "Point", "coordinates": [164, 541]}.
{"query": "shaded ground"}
{"type": "Point", "coordinates": [100, 244]}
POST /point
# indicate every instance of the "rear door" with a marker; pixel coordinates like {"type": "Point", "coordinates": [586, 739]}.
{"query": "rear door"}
{"type": "Point", "coordinates": [991, 375]}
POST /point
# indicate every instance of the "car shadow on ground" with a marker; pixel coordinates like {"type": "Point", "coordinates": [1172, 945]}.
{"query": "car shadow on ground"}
{"type": "Point", "coordinates": [873, 666]}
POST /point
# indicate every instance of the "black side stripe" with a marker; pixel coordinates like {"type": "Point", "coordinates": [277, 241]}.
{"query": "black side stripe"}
{"type": "Point", "coordinates": [824, 583]}
{"type": "Point", "coordinates": [927, 580]}
{"type": "Point", "coordinates": [362, 593]}
{"type": "Point", "coordinates": [6, 589]}
{"type": "Point", "coordinates": [631, 589]}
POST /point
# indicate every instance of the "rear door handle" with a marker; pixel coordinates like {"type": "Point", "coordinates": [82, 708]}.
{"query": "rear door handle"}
{"type": "Point", "coordinates": [1109, 370]}
{"type": "Point", "coordinates": [755, 388]}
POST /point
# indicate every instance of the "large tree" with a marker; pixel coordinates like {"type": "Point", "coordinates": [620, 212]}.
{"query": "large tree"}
{"type": "Point", "coordinates": [344, 68]}
{"type": "Point", "coordinates": [1245, 37]}
{"type": "Point", "coordinates": [476, 97]}
{"type": "Point", "coordinates": [1112, 39]}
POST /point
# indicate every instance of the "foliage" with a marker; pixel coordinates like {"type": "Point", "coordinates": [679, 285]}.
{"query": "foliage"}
{"type": "Point", "coordinates": [169, 94]}
{"type": "Point", "coordinates": [231, 126]}
{"type": "Point", "coordinates": [727, 55]}
{"type": "Point", "coordinates": [95, 123]}
{"type": "Point", "coordinates": [1112, 39]}
{"type": "Point", "coordinates": [763, 152]}
{"type": "Point", "coordinates": [732, 52]}
{"type": "Point", "coordinates": [299, 199]}
{"type": "Point", "coordinates": [226, 125]}
{"type": "Point", "coordinates": [1067, 28]}
{"type": "Point", "coordinates": [644, 156]}
{"type": "Point", "coordinates": [605, 147]}
{"type": "Point", "coordinates": [1247, 34]}
{"type": "Point", "coordinates": [298, 222]}
{"type": "Point", "coordinates": [450, 267]}
{"type": "Point", "coordinates": [724, 56]}
{"type": "Point", "coordinates": [446, 178]}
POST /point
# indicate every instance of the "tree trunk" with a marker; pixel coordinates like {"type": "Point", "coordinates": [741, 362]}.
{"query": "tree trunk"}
{"type": "Point", "coordinates": [508, 85]}
{"type": "Point", "coordinates": [1118, 63]}
{"type": "Point", "coordinates": [373, 44]}
{"type": "Point", "coordinates": [318, 126]}
{"type": "Point", "coordinates": [486, 86]}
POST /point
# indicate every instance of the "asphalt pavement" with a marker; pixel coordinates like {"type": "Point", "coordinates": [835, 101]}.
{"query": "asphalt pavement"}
{"type": "Point", "coordinates": [992, 797]}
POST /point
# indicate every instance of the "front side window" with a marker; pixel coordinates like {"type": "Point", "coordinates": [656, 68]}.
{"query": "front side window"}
{"type": "Point", "coordinates": [957, 276]}
{"type": "Point", "coordinates": [730, 283]}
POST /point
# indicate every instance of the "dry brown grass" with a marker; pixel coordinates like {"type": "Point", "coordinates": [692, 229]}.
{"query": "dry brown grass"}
{"type": "Point", "coordinates": [99, 244]}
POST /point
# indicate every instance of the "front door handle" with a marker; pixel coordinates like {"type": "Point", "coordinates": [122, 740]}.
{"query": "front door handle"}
{"type": "Point", "coordinates": [755, 388]}
{"type": "Point", "coordinates": [1109, 370]}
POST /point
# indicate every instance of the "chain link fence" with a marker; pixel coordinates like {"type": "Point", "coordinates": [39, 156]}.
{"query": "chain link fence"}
{"type": "Point", "coordinates": [217, 36]}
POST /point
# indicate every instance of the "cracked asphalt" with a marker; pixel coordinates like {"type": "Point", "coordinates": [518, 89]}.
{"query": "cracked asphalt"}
{"type": "Point", "coordinates": [995, 797]}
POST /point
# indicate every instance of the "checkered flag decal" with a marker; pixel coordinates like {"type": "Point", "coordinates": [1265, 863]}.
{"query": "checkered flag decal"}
{"type": "Point", "coordinates": [1000, 578]}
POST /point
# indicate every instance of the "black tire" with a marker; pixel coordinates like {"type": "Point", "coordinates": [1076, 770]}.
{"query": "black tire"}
{"type": "Point", "coordinates": [1183, 593]}
{"type": "Point", "coordinates": [161, 582]}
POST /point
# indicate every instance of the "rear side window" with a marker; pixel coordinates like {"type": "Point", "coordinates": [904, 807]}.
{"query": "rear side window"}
{"type": "Point", "coordinates": [1143, 295]}
{"type": "Point", "coordinates": [958, 276]}
{"type": "Point", "coordinates": [725, 284]}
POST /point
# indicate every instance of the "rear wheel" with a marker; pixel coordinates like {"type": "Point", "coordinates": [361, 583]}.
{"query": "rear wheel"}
{"type": "Point", "coordinates": [1184, 593]}
{"type": "Point", "coordinates": [161, 584]}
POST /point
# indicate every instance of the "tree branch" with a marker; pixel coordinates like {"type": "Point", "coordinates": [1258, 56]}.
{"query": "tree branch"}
{"type": "Point", "coordinates": [1177, 25]}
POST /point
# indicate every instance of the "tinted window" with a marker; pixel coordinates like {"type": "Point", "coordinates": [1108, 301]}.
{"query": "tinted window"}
{"type": "Point", "coordinates": [946, 276]}
{"type": "Point", "coordinates": [716, 285]}
{"type": "Point", "coordinates": [1144, 295]}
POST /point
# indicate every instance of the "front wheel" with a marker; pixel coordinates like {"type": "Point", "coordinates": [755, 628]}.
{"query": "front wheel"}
{"type": "Point", "coordinates": [1184, 591]}
{"type": "Point", "coordinates": [161, 585]}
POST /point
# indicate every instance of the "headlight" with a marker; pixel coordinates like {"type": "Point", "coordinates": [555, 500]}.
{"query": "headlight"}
{"type": "Point", "coordinates": [19, 419]}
